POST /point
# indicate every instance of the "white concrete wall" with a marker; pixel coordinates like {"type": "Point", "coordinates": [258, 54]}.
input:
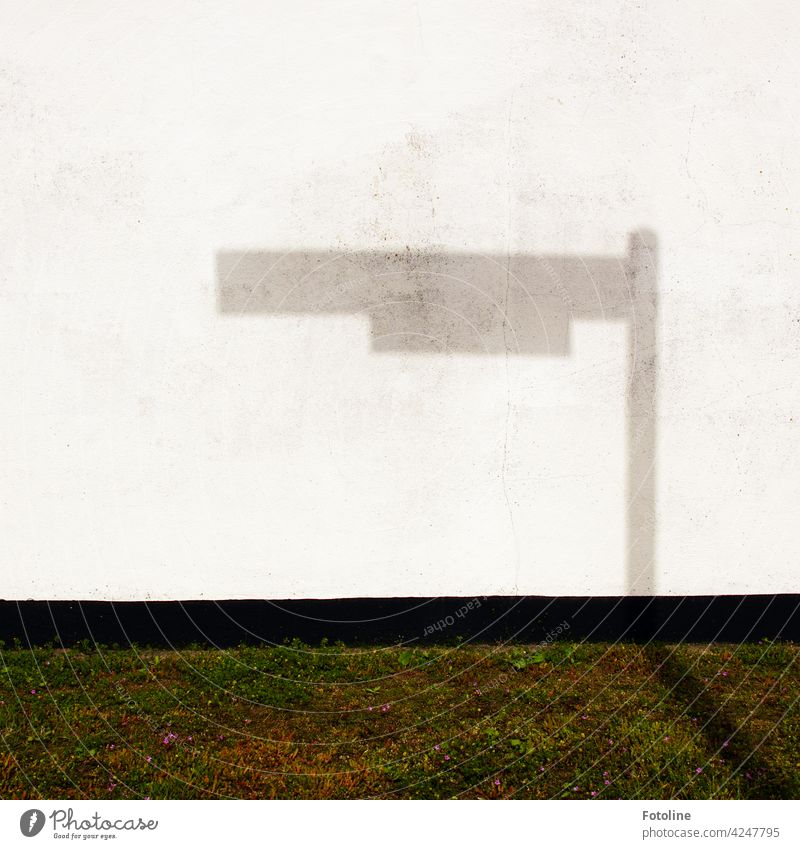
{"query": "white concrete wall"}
{"type": "Point", "coordinates": [153, 447]}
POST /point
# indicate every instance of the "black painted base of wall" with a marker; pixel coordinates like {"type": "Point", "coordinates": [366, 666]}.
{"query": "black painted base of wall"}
{"type": "Point", "coordinates": [403, 620]}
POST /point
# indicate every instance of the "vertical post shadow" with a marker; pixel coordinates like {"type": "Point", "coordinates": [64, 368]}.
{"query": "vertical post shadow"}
{"type": "Point", "coordinates": [725, 733]}
{"type": "Point", "coordinates": [520, 304]}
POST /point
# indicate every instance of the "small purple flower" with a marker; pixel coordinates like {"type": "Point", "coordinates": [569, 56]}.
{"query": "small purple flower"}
{"type": "Point", "coordinates": [725, 744]}
{"type": "Point", "coordinates": [699, 770]}
{"type": "Point", "coordinates": [437, 747]}
{"type": "Point", "coordinates": [594, 792]}
{"type": "Point", "coordinates": [497, 782]}
{"type": "Point", "coordinates": [149, 758]}
{"type": "Point", "coordinates": [576, 788]}
{"type": "Point", "coordinates": [33, 692]}
{"type": "Point", "coordinates": [606, 782]}
{"type": "Point", "coordinates": [447, 757]}
{"type": "Point", "coordinates": [666, 739]}
{"type": "Point", "coordinates": [584, 716]}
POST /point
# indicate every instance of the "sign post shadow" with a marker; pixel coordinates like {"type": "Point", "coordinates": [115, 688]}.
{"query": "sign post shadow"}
{"type": "Point", "coordinates": [520, 304]}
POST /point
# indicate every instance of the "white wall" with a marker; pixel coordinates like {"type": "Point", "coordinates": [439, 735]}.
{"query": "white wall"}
{"type": "Point", "coordinates": [153, 447]}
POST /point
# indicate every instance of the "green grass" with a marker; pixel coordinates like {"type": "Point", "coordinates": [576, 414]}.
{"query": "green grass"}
{"type": "Point", "coordinates": [573, 721]}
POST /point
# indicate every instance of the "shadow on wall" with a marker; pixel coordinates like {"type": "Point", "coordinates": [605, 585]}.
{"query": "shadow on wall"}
{"type": "Point", "coordinates": [522, 305]}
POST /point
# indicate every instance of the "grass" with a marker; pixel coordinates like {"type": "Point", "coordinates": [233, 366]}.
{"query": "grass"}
{"type": "Point", "coordinates": [487, 721]}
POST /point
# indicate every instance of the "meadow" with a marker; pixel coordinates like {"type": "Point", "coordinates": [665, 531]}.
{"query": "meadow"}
{"type": "Point", "coordinates": [587, 720]}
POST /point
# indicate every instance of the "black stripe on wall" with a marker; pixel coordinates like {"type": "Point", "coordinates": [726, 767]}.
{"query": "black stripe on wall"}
{"type": "Point", "coordinates": [403, 620]}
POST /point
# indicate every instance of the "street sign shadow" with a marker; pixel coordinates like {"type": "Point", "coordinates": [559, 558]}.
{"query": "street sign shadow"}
{"type": "Point", "coordinates": [434, 303]}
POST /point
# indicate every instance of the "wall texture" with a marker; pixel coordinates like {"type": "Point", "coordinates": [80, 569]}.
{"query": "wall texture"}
{"type": "Point", "coordinates": [408, 299]}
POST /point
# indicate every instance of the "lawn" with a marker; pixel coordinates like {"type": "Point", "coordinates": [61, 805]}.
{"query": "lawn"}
{"type": "Point", "coordinates": [489, 721]}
